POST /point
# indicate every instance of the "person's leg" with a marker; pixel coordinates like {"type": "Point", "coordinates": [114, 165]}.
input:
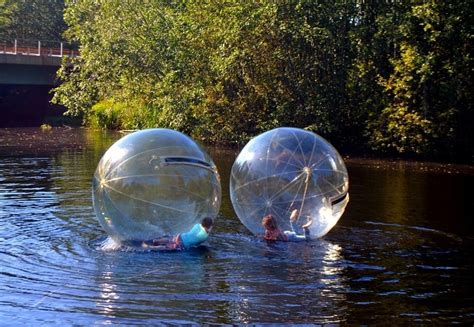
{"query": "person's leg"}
{"type": "Point", "coordinates": [307, 233]}
{"type": "Point", "coordinates": [161, 241]}
{"type": "Point", "coordinates": [175, 243]}
{"type": "Point", "coordinates": [293, 237]}
{"type": "Point", "coordinates": [135, 243]}
{"type": "Point", "coordinates": [293, 226]}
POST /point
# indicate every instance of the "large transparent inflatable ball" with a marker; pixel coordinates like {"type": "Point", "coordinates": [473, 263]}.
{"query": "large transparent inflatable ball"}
{"type": "Point", "coordinates": [288, 169]}
{"type": "Point", "coordinates": [154, 183]}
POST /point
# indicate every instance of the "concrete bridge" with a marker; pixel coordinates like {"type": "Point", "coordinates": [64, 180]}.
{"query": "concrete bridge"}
{"type": "Point", "coordinates": [27, 75]}
{"type": "Point", "coordinates": [24, 63]}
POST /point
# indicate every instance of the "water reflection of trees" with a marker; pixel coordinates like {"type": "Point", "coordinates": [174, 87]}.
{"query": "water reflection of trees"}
{"type": "Point", "coordinates": [72, 179]}
{"type": "Point", "coordinates": [409, 198]}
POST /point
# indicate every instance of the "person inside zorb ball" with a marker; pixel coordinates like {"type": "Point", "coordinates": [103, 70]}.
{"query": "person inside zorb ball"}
{"type": "Point", "coordinates": [289, 184]}
{"type": "Point", "coordinates": [153, 184]}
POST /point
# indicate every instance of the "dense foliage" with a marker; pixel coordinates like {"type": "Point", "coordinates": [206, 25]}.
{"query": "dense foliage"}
{"type": "Point", "coordinates": [31, 19]}
{"type": "Point", "coordinates": [394, 77]}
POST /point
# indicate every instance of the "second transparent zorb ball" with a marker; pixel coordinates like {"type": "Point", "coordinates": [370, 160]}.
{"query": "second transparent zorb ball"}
{"type": "Point", "coordinates": [154, 183]}
{"type": "Point", "coordinates": [288, 169]}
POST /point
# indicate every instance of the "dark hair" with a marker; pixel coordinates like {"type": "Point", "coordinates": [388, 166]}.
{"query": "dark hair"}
{"type": "Point", "coordinates": [269, 222]}
{"type": "Point", "coordinates": [206, 222]}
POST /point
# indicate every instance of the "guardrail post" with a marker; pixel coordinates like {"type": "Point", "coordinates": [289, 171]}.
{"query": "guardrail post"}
{"type": "Point", "coordinates": [39, 48]}
{"type": "Point", "coordinates": [15, 46]}
{"type": "Point", "coordinates": [61, 50]}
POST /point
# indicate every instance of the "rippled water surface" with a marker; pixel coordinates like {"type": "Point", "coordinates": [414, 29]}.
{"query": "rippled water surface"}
{"type": "Point", "coordinates": [402, 253]}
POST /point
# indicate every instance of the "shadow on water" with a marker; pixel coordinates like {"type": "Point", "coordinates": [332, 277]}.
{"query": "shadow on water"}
{"type": "Point", "coordinates": [402, 253]}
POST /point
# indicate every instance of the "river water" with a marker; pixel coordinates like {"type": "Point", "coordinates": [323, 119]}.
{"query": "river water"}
{"type": "Point", "coordinates": [401, 254]}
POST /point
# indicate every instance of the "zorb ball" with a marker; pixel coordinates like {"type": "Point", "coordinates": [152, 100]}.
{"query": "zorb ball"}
{"type": "Point", "coordinates": [154, 183]}
{"type": "Point", "coordinates": [287, 169]}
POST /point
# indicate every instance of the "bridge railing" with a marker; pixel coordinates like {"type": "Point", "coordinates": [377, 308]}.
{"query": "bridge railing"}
{"type": "Point", "coordinates": [38, 48]}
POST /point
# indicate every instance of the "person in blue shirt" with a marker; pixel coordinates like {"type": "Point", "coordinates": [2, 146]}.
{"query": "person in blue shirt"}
{"type": "Point", "coordinates": [292, 235]}
{"type": "Point", "coordinates": [198, 234]}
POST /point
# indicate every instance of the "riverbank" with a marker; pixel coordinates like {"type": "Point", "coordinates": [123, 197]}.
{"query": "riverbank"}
{"type": "Point", "coordinates": [35, 140]}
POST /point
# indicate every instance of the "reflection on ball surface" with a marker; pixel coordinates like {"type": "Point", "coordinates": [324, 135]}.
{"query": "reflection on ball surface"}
{"type": "Point", "coordinates": [286, 169]}
{"type": "Point", "coordinates": [154, 183]}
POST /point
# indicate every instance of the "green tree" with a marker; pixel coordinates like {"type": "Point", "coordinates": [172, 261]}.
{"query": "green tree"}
{"type": "Point", "coordinates": [429, 87]}
{"type": "Point", "coordinates": [394, 77]}
{"type": "Point", "coordinates": [31, 19]}
{"type": "Point", "coordinates": [276, 65]}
